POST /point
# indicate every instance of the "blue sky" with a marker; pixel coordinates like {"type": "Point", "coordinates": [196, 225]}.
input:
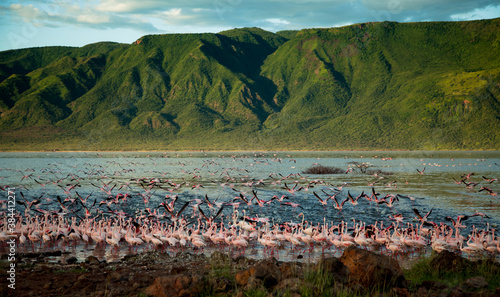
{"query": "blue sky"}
{"type": "Point", "coordinates": [32, 23]}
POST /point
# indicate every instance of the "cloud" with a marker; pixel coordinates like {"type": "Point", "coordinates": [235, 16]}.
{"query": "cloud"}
{"type": "Point", "coordinates": [77, 16]}
{"type": "Point", "coordinates": [128, 6]}
{"type": "Point", "coordinates": [158, 15]}
{"type": "Point", "coordinates": [479, 13]}
{"type": "Point", "coordinates": [180, 16]}
{"type": "Point", "coordinates": [91, 18]}
{"type": "Point", "coordinates": [174, 12]}
{"type": "Point", "coordinates": [27, 12]}
{"type": "Point", "coordinates": [150, 6]}
{"type": "Point", "coordinates": [277, 21]}
{"type": "Point", "coordinates": [426, 10]}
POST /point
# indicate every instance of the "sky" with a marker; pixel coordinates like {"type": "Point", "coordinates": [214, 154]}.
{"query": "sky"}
{"type": "Point", "coordinates": [34, 23]}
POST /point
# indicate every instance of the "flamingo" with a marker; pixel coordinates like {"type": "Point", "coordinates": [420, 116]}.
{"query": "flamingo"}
{"type": "Point", "coordinates": [421, 218]}
{"type": "Point", "coordinates": [156, 241]}
{"type": "Point", "coordinates": [489, 180]}
{"type": "Point", "coordinates": [293, 190]}
{"type": "Point", "coordinates": [458, 222]}
{"type": "Point", "coordinates": [355, 201]}
{"type": "Point", "coordinates": [112, 241]}
{"type": "Point", "coordinates": [394, 246]}
{"type": "Point", "coordinates": [490, 191]}
{"type": "Point", "coordinates": [29, 204]}
{"type": "Point", "coordinates": [480, 214]}
{"type": "Point", "coordinates": [337, 205]}
{"type": "Point", "coordinates": [294, 205]}
{"type": "Point", "coordinates": [392, 199]}
{"type": "Point", "coordinates": [469, 250]}
{"type": "Point", "coordinates": [34, 237]}
{"type": "Point", "coordinates": [323, 202]}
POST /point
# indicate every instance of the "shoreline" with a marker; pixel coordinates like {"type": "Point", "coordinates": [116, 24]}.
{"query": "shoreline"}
{"type": "Point", "coordinates": [243, 151]}
{"type": "Point", "coordinates": [152, 273]}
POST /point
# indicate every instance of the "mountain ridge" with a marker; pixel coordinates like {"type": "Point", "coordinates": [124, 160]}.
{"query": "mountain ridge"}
{"type": "Point", "coordinates": [366, 86]}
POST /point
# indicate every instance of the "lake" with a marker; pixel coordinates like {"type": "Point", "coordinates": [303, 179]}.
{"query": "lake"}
{"type": "Point", "coordinates": [448, 183]}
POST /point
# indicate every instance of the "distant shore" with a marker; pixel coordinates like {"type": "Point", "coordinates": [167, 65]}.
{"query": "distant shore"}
{"type": "Point", "coordinates": [235, 151]}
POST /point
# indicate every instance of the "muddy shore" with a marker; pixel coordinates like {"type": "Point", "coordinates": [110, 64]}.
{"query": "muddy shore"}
{"type": "Point", "coordinates": [188, 274]}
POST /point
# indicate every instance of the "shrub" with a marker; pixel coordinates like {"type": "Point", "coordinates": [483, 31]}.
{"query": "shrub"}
{"type": "Point", "coordinates": [320, 169]}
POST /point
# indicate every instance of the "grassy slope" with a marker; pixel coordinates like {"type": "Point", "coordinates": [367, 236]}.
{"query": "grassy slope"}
{"type": "Point", "coordinates": [367, 86]}
{"type": "Point", "coordinates": [389, 85]}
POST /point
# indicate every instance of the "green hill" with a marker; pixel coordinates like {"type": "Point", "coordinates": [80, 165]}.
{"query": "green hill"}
{"type": "Point", "coordinates": [386, 85]}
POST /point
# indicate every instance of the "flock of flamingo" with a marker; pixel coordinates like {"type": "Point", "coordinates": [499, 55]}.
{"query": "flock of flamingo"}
{"type": "Point", "coordinates": [105, 204]}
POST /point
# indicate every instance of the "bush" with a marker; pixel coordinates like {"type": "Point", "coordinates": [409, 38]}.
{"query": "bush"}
{"type": "Point", "coordinates": [320, 169]}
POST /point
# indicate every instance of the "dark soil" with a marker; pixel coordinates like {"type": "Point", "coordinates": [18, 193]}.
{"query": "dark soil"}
{"type": "Point", "coordinates": [132, 275]}
{"type": "Point", "coordinates": [127, 277]}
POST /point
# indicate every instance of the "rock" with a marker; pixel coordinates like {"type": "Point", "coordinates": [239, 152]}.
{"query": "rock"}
{"type": "Point", "coordinates": [243, 276]}
{"type": "Point", "coordinates": [241, 260]}
{"type": "Point", "coordinates": [187, 255]}
{"type": "Point", "coordinates": [449, 261]}
{"type": "Point", "coordinates": [400, 292]}
{"type": "Point", "coordinates": [150, 257]}
{"type": "Point", "coordinates": [78, 284]}
{"type": "Point", "coordinates": [221, 284]}
{"type": "Point", "coordinates": [51, 254]}
{"type": "Point", "coordinates": [219, 258]}
{"type": "Point", "coordinates": [65, 283]}
{"type": "Point", "coordinates": [335, 268]}
{"type": "Point", "coordinates": [457, 292]}
{"type": "Point", "coordinates": [177, 285]}
{"type": "Point", "coordinates": [369, 270]}
{"type": "Point", "coordinates": [92, 260]}
{"type": "Point", "coordinates": [178, 270]}
{"type": "Point", "coordinates": [88, 289]}
{"type": "Point", "coordinates": [117, 276]}
{"type": "Point", "coordinates": [135, 285]}
{"type": "Point", "coordinates": [82, 277]}
{"type": "Point", "coordinates": [477, 282]}
{"type": "Point", "coordinates": [422, 291]}
{"type": "Point", "coordinates": [71, 260]}
{"type": "Point", "coordinates": [289, 285]}
{"type": "Point", "coordinates": [290, 269]}
{"type": "Point", "coordinates": [30, 255]}
{"type": "Point", "coordinates": [266, 270]}
{"type": "Point", "coordinates": [253, 283]}
{"type": "Point", "coordinates": [434, 285]}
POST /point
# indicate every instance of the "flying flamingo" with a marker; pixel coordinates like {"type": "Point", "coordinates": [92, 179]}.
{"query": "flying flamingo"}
{"type": "Point", "coordinates": [355, 201]}
{"type": "Point", "coordinates": [421, 218]}
{"type": "Point", "coordinates": [489, 180]}
{"type": "Point", "coordinates": [293, 190]}
{"type": "Point", "coordinates": [337, 205]}
{"type": "Point", "coordinates": [324, 202]}
{"type": "Point", "coordinates": [294, 205]}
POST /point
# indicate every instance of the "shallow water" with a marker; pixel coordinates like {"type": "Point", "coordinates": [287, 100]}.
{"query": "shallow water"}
{"type": "Point", "coordinates": [222, 176]}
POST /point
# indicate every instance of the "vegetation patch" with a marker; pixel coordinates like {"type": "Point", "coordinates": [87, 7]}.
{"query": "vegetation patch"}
{"type": "Point", "coordinates": [320, 169]}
